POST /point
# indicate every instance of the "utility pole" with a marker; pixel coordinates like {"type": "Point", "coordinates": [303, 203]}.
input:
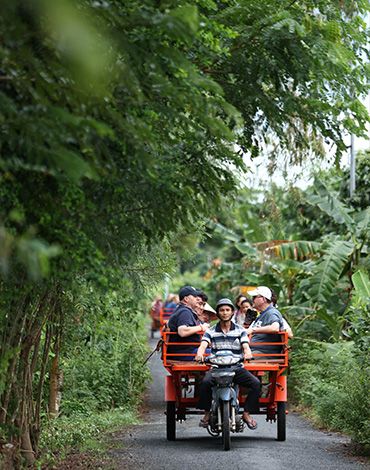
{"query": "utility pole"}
{"type": "Point", "coordinates": [352, 168]}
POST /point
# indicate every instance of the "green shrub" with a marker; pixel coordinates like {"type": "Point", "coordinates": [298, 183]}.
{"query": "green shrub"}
{"type": "Point", "coordinates": [80, 432]}
{"type": "Point", "coordinates": [103, 364]}
{"type": "Point", "coordinates": [330, 380]}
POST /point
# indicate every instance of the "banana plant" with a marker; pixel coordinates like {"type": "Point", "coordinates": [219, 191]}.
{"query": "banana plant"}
{"type": "Point", "coordinates": [315, 276]}
{"type": "Point", "coordinates": [330, 263]}
{"type": "Point", "coordinates": [359, 313]}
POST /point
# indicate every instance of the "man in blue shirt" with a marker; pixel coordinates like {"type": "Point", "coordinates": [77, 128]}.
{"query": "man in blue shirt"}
{"type": "Point", "coordinates": [185, 323]}
{"type": "Point", "coordinates": [269, 321]}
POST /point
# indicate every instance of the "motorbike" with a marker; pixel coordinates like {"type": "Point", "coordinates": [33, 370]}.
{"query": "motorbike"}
{"type": "Point", "coordinates": [224, 413]}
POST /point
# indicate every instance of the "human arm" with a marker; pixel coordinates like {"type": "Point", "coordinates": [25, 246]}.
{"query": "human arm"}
{"type": "Point", "coordinates": [273, 328]}
{"type": "Point", "coordinates": [199, 357]}
{"type": "Point", "coordinates": [185, 330]}
{"type": "Point", "coordinates": [290, 332]}
{"type": "Point", "coordinates": [247, 353]}
{"type": "Point", "coordinates": [287, 328]}
{"type": "Point", "coordinates": [244, 341]}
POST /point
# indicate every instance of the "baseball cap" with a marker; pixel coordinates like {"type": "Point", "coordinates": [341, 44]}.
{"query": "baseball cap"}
{"type": "Point", "coordinates": [188, 290]}
{"type": "Point", "coordinates": [261, 290]}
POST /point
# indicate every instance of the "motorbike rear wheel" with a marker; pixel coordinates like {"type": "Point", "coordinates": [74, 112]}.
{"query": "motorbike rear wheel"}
{"type": "Point", "coordinates": [226, 440]}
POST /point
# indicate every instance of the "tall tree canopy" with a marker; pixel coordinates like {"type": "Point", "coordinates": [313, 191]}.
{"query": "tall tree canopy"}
{"type": "Point", "coordinates": [127, 100]}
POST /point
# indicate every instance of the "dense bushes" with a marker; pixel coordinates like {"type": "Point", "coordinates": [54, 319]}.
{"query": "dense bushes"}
{"type": "Point", "coordinates": [84, 431]}
{"type": "Point", "coordinates": [332, 381]}
{"type": "Point", "coordinates": [105, 343]}
{"type": "Point", "coordinates": [106, 370]}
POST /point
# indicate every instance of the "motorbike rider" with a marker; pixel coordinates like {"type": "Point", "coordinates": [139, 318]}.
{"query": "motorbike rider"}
{"type": "Point", "coordinates": [228, 336]}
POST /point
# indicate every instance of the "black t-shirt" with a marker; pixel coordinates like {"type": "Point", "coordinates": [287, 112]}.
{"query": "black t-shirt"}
{"type": "Point", "coordinates": [182, 316]}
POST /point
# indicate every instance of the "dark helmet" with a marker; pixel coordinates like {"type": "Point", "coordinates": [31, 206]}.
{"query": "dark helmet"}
{"type": "Point", "coordinates": [224, 302]}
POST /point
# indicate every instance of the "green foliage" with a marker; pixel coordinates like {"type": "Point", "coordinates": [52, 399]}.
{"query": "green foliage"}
{"type": "Point", "coordinates": [119, 123]}
{"type": "Point", "coordinates": [80, 432]}
{"type": "Point", "coordinates": [327, 271]}
{"type": "Point", "coordinates": [320, 41]}
{"type": "Point", "coordinates": [361, 197]}
{"type": "Point", "coordinates": [361, 283]}
{"type": "Point", "coordinates": [330, 380]}
{"type": "Point", "coordinates": [358, 314]}
{"type": "Point", "coordinates": [104, 349]}
{"type": "Point", "coordinates": [299, 249]}
{"type": "Point", "coordinates": [329, 203]}
{"type": "Point", "coordinates": [313, 275]}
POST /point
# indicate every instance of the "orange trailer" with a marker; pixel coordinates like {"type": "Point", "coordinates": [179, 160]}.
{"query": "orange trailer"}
{"type": "Point", "coordinates": [182, 385]}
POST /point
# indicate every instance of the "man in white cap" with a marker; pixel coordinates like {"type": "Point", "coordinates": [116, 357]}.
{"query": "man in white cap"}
{"type": "Point", "coordinates": [269, 321]}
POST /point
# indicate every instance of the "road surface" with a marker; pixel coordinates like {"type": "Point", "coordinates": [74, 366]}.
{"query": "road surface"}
{"type": "Point", "coordinates": [145, 446]}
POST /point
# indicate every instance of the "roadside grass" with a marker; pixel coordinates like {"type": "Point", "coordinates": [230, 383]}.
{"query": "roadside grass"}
{"type": "Point", "coordinates": [330, 384]}
{"type": "Point", "coordinates": [82, 434]}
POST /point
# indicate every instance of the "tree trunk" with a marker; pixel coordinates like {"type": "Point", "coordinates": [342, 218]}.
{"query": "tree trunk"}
{"type": "Point", "coordinates": [56, 375]}
{"type": "Point", "coordinates": [56, 383]}
{"type": "Point", "coordinates": [26, 447]}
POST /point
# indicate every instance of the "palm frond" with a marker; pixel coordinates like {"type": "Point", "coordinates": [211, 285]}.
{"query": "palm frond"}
{"type": "Point", "coordinates": [329, 203]}
{"type": "Point", "coordinates": [362, 220]}
{"type": "Point", "coordinates": [328, 270]}
{"type": "Point", "coordinates": [361, 282]}
{"type": "Point", "coordinates": [297, 250]}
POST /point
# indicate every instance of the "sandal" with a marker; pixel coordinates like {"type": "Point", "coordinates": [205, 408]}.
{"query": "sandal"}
{"type": "Point", "coordinates": [203, 423]}
{"type": "Point", "coordinates": [252, 424]}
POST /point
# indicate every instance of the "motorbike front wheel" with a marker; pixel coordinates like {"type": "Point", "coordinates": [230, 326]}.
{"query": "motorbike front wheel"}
{"type": "Point", "coordinates": [226, 440]}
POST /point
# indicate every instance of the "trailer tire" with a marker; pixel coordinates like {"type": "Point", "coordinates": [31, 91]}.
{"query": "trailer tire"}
{"type": "Point", "coordinates": [171, 420]}
{"type": "Point", "coordinates": [281, 421]}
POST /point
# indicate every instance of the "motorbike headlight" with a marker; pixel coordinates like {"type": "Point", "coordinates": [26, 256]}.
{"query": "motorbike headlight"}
{"type": "Point", "coordinates": [224, 360]}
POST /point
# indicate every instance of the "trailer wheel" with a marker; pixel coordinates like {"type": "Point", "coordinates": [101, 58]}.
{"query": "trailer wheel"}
{"type": "Point", "coordinates": [281, 421]}
{"type": "Point", "coordinates": [171, 421]}
{"type": "Point", "coordinates": [226, 425]}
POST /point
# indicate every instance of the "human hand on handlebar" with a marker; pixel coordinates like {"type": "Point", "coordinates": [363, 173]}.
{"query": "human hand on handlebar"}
{"type": "Point", "coordinates": [199, 358]}
{"type": "Point", "coordinates": [247, 356]}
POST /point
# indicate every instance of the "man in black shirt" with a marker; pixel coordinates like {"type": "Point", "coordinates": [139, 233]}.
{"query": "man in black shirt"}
{"type": "Point", "coordinates": [185, 323]}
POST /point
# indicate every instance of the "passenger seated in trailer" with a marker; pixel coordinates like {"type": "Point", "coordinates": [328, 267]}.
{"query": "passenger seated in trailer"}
{"type": "Point", "coordinates": [185, 323]}
{"type": "Point", "coordinates": [238, 317]}
{"type": "Point", "coordinates": [169, 306]}
{"type": "Point", "coordinates": [268, 322]}
{"type": "Point", "coordinates": [286, 326]}
{"type": "Point", "coordinates": [247, 313]}
{"type": "Point", "coordinates": [205, 312]}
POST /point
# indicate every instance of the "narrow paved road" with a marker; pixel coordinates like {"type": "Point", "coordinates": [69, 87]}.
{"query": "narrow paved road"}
{"type": "Point", "coordinates": [145, 446]}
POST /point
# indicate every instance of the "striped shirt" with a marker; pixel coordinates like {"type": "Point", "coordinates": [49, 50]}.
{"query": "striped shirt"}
{"type": "Point", "coordinates": [230, 341]}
